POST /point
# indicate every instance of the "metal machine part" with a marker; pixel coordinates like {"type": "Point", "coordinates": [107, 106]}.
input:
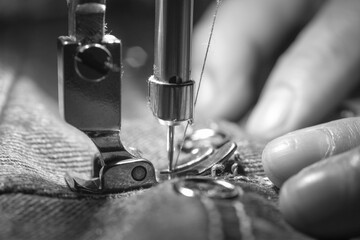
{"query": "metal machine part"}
{"type": "Point", "coordinates": [205, 137]}
{"type": "Point", "coordinates": [193, 158]}
{"type": "Point", "coordinates": [89, 69]}
{"type": "Point", "coordinates": [207, 187]}
{"type": "Point", "coordinates": [204, 166]}
{"type": "Point", "coordinates": [198, 146]}
{"type": "Point", "coordinates": [206, 151]}
{"type": "Point", "coordinates": [90, 98]}
{"type": "Point", "coordinates": [170, 89]}
{"type": "Point", "coordinates": [114, 177]}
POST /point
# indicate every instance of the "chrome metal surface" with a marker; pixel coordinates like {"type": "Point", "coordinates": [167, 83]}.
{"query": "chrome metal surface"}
{"type": "Point", "coordinates": [111, 149]}
{"type": "Point", "coordinates": [89, 105]}
{"type": "Point", "coordinates": [93, 62]}
{"type": "Point", "coordinates": [173, 31]}
{"type": "Point", "coordinates": [121, 175]}
{"type": "Point", "coordinates": [207, 187]}
{"type": "Point", "coordinates": [204, 166]}
{"type": "Point", "coordinates": [222, 154]}
{"type": "Point", "coordinates": [77, 184]}
{"type": "Point", "coordinates": [170, 146]}
{"type": "Point", "coordinates": [170, 90]}
{"type": "Point", "coordinates": [115, 177]}
{"type": "Point", "coordinates": [89, 69]}
{"type": "Point", "coordinates": [205, 137]}
{"type": "Point", "coordinates": [171, 103]}
{"type": "Point", "coordinates": [198, 155]}
{"type": "Point", "coordinates": [188, 160]}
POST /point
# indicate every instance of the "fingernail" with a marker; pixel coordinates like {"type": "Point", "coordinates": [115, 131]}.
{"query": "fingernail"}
{"type": "Point", "coordinates": [269, 117]}
{"type": "Point", "coordinates": [287, 155]}
{"type": "Point", "coordinates": [273, 156]}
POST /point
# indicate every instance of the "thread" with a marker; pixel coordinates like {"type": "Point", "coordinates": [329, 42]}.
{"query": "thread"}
{"type": "Point", "coordinates": [218, 3]}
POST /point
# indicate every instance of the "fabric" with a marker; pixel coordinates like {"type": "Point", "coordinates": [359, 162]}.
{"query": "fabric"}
{"type": "Point", "coordinates": [37, 148]}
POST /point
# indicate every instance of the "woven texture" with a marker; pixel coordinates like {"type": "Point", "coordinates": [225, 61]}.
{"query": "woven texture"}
{"type": "Point", "coordinates": [37, 148]}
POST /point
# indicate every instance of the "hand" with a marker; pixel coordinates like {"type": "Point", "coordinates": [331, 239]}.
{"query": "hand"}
{"type": "Point", "coordinates": [310, 78]}
{"type": "Point", "coordinates": [318, 169]}
{"type": "Point", "coordinates": [317, 70]}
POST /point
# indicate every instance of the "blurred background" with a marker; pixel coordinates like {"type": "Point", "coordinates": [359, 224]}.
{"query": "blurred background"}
{"type": "Point", "coordinates": [30, 28]}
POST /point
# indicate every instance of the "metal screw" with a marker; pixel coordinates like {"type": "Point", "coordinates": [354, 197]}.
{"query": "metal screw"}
{"type": "Point", "coordinates": [93, 62]}
{"type": "Point", "coordinates": [139, 173]}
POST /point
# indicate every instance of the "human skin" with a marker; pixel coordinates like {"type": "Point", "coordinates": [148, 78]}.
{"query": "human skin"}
{"type": "Point", "coordinates": [306, 77]}
{"type": "Point", "coordinates": [318, 170]}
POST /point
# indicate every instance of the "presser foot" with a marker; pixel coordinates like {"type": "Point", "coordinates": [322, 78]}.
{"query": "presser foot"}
{"type": "Point", "coordinates": [89, 70]}
{"type": "Point", "coordinates": [115, 169]}
{"type": "Point", "coordinates": [116, 177]}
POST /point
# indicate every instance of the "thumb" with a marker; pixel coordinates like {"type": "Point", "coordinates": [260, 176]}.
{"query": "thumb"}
{"type": "Point", "coordinates": [323, 199]}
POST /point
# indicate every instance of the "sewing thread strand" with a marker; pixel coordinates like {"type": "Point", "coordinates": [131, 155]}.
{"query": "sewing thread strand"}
{"type": "Point", "coordinates": [218, 3]}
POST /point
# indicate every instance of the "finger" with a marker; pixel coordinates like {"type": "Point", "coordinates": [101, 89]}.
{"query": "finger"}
{"type": "Point", "coordinates": [247, 35]}
{"type": "Point", "coordinates": [323, 199]}
{"type": "Point", "coordinates": [314, 75]}
{"type": "Point", "coordinates": [287, 155]}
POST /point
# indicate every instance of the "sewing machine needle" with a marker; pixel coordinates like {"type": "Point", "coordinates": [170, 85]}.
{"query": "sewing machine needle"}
{"type": "Point", "coordinates": [170, 89]}
{"type": "Point", "coordinates": [170, 146]}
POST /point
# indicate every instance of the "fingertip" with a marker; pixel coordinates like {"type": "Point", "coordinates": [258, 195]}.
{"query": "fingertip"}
{"type": "Point", "coordinates": [291, 206]}
{"type": "Point", "coordinates": [223, 96]}
{"type": "Point", "coordinates": [321, 200]}
{"type": "Point", "coordinates": [285, 156]}
{"type": "Point", "coordinates": [308, 202]}
{"type": "Point", "coordinates": [270, 117]}
{"type": "Point", "coordinates": [307, 205]}
{"type": "Point", "coordinates": [271, 162]}
{"type": "Point", "coordinates": [287, 206]}
{"type": "Point", "coordinates": [236, 97]}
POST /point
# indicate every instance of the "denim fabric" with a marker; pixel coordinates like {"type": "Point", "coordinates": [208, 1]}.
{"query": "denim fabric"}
{"type": "Point", "coordinates": [37, 148]}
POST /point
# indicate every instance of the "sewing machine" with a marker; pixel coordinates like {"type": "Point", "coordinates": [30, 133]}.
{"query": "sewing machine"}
{"type": "Point", "coordinates": [89, 70]}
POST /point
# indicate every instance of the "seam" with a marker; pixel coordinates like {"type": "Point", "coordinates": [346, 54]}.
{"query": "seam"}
{"type": "Point", "coordinates": [215, 223]}
{"type": "Point", "coordinates": [245, 227]}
